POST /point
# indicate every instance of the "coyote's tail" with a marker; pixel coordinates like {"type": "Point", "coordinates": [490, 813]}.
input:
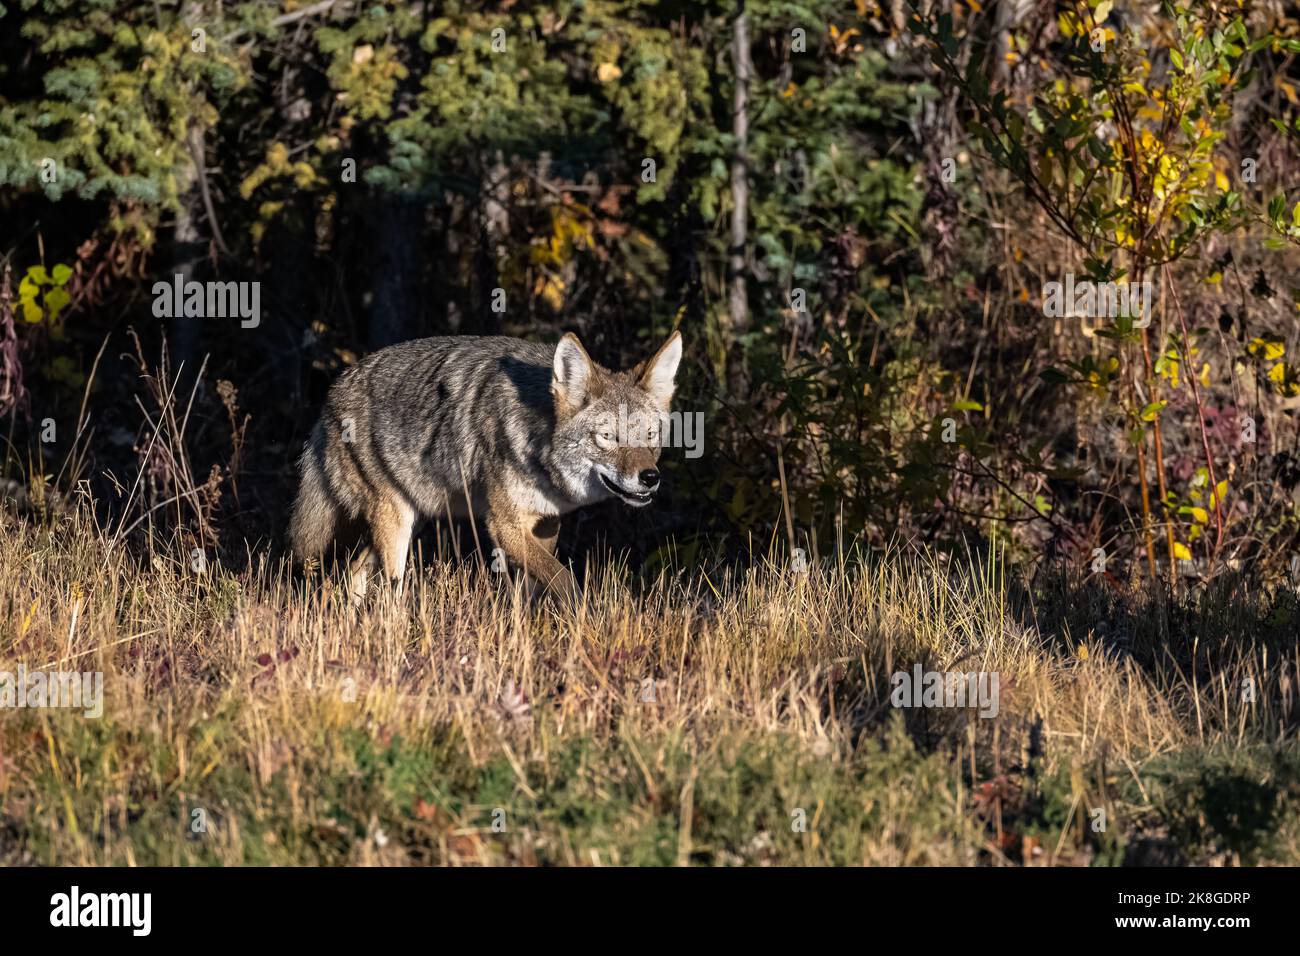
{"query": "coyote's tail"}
{"type": "Point", "coordinates": [315, 513]}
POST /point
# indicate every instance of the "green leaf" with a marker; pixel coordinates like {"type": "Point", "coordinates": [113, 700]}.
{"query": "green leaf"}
{"type": "Point", "coordinates": [1152, 410]}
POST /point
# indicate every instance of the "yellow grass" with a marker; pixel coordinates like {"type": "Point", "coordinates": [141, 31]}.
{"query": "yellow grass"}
{"type": "Point", "coordinates": [742, 718]}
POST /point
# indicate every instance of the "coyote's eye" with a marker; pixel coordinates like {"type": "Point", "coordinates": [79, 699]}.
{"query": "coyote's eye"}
{"type": "Point", "coordinates": [604, 438]}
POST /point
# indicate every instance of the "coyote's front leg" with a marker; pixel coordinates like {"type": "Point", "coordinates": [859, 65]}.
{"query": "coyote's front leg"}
{"type": "Point", "coordinates": [529, 541]}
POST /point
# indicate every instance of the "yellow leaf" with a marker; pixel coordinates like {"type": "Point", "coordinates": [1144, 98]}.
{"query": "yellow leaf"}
{"type": "Point", "coordinates": [1081, 652]}
{"type": "Point", "coordinates": [1270, 349]}
{"type": "Point", "coordinates": [1170, 371]}
{"type": "Point", "coordinates": [551, 290]}
{"type": "Point", "coordinates": [1181, 552]}
{"type": "Point", "coordinates": [1216, 496]}
{"type": "Point", "coordinates": [55, 300]}
{"type": "Point", "coordinates": [608, 72]}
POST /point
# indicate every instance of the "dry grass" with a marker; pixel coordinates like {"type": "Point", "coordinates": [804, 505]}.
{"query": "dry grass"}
{"type": "Point", "coordinates": [745, 719]}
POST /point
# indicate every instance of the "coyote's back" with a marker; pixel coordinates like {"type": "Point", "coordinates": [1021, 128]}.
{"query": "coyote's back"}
{"type": "Point", "coordinates": [416, 422]}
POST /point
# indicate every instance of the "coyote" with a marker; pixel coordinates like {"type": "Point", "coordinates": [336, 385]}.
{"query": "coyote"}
{"type": "Point", "coordinates": [512, 433]}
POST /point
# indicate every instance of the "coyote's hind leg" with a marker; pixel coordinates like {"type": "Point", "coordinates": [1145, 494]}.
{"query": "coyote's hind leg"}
{"type": "Point", "coordinates": [391, 524]}
{"type": "Point", "coordinates": [359, 568]}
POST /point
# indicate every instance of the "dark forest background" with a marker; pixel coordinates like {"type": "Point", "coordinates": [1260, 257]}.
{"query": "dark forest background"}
{"type": "Point", "coordinates": [850, 209]}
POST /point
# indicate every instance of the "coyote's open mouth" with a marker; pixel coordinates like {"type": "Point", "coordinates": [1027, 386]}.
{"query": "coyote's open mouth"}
{"type": "Point", "coordinates": [635, 498]}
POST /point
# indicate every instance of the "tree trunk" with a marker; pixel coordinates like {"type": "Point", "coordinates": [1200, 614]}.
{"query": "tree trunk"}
{"type": "Point", "coordinates": [188, 250]}
{"type": "Point", "coordinates": [738, 300]}
{"type": "Point", "coordinates": [398, 237]}
{"type": "Point", "coordinates": [188, 247]}
{"type": "Point", "coordinates": [493, 244]}
{"type": "Point", "coordinates": [683, 254]}
{"type": "Point", "coordinates": [293, 302]}
{"type": "Point", "coordinates": [1010, 13]}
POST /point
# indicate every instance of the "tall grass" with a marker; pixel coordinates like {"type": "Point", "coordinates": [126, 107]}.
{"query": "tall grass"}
{"type": "Point", "coordinates": [255, 716]}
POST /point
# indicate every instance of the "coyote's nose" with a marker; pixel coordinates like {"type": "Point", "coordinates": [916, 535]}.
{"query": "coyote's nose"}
{"type": "Point", "coordinates": [649, 478]}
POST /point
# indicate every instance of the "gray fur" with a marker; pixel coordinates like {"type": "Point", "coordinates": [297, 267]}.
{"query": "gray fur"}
{"type": "Point", "coordinates": [489, 427]}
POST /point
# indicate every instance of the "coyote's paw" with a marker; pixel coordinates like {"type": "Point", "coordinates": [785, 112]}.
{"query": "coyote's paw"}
{"type": "Point", "coordinates": [563, 589]}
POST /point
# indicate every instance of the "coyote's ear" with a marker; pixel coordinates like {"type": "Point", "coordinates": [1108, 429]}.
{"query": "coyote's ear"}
{"type": "Point", "coordinates": [657, 379]}
{"type": "Point", "coordinates": [570, 372]}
